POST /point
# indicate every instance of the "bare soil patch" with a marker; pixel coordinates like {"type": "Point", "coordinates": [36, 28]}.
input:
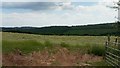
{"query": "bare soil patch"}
{"type": "Point", "coordinates": [61, 57]}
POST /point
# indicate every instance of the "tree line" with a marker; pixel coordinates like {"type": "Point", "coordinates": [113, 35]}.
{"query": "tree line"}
{"type": "Point", "coordinates": [83, 30]}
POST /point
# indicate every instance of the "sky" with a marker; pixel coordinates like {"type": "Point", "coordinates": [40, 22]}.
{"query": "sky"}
{"type": "Point", "coordinates": [62, 13]}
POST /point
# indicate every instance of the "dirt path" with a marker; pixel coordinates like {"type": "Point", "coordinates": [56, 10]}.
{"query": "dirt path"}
{"type": "Point", "coordinates": [62, 57]}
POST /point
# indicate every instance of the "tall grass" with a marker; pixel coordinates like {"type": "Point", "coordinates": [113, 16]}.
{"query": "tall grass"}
{"type": "Point", "coordinates": [25, 46]}
{"type": "Point", "coordinates": [72, 40]}
{"type": "Point", "coordinates": [63, 44]}
{"type": "Point", "coordinates": [28, 46]}
{"type": "Point", "coordinates": [49, 44]}
{"type": "Point", "coordinates": [97, 50]}
{"type": "Point", "coordinates": [29, 42]}
{"type": "Point", "coordinates": [94, 49]}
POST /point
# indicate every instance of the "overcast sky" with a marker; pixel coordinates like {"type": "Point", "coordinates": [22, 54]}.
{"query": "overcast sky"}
{"type": "Point", "coordinates": [69, 13]}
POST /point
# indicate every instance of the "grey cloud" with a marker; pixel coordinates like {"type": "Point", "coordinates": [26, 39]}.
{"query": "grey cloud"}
{"type": "Point", "coordinates": [38, 6]}
{"type": "Point", "coordinates": [28, 5]}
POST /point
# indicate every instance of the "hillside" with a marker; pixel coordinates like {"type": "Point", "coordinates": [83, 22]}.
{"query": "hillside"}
{"type": "Point", "coordinates": [93, 30]}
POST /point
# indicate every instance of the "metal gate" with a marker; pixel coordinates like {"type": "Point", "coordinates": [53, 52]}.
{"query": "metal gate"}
{"type": "Point", "coordinates": [112, 53]}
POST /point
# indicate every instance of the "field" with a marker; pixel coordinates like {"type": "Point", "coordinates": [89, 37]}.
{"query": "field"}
{"type": "Point", "coordinates": [36, 50]}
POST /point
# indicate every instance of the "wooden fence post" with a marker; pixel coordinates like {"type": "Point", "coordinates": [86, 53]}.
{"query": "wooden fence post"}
{"type": "Point", "coordinates": [105, 50]}
{"type": "Point", "coordinates": [108, 40]}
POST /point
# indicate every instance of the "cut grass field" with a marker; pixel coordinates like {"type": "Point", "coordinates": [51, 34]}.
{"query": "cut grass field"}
{"type": "Point", "coordinates": [29, 43]}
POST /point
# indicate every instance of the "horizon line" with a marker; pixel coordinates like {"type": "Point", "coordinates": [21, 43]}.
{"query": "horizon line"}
{"type": "Point", "coordinates": [57, 25]}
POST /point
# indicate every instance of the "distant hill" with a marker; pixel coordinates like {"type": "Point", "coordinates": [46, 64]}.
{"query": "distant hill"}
{"type": "Point", "coordinates": [84, 30]}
